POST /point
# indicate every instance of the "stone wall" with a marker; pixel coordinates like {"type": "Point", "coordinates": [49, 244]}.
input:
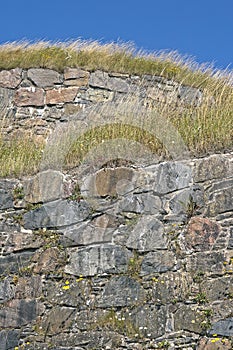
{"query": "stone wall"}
{"type": "Point", "coordinates": [34, 100]}
{"type": "Point", "coordinates": [142, 263]}
{"type": "Point", "coordinates": [122, 254]}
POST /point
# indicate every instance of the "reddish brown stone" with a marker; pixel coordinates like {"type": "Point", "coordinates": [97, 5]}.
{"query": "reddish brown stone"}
{"type": "Point", "coordinates": [107, 180]}
{"type": "Point", "coordinates": [76, 77]}
{"type": "Point", "coordinates": [29, 96]}
{"type": "Point", "coordinates": [215, 343]}
{"type": "Point", "coordinates": [47, 261]}
{"type": "Point", "coordinates": [10, 78]}
{"type": "Point", "coordinates": [61, 95]}
{"type": "Point", "coordinates": [201, 233]}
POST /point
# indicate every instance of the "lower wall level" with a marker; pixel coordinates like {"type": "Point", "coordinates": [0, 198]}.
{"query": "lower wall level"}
{"type": "Point", "coordinates": [124, 258]}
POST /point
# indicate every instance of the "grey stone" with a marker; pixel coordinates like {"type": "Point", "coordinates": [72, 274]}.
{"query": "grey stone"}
{"type": "Point", "coordinates": [14, 263]}
{"type": "Point", "coordinates": [168, 177]}
{"type": "Point", "coordinates": [188, 318]}
{"type": "Point", "coordinates": [160, 261]}
{"type": "Point", "coordinates": [149, 320]}
{"type": "Point", "coordinates": [44, 77]}
{"type": "Point", "coordinates": [145, 203]}
{"type": "Point", "coordinates": [90, 261]}
{"type": "Point", "coordinates": [186, 203]}
{"type": "Point", "coordinates": [218, 288]}
{"type": "Point", "coordinates": [100, 340]}
{"type": "Point", "coordinates": [189, 95]}
{"type": "Point", "coordinates": [19, 312]}
{"type": "Point", "coordinates": [58, 319]}
{"type": "Point", "coordinates": [6, 291]}
{"type": "Point", "coordinates": [5, 100]}
{"type": "Point", "coordinates": [87, 233]}
{"type": "Point", "coordinates": [44, 187]}
{"type": "Point", "coordinates": [171, 287]}
{"type": "Point", "coordinates": [210, 262]}
{"type": "Point", "coordinates": [102, 80]}
{"type": "Point", "coordinates": [147, 235]}
{"type": "Point", "coordinates": [6, 199]}
{"type": "Point", "coordinates": [213, 167]}
{"type": "Point", "coordinates": [56, 214]}
{"type": "Point", "coordinates": [121, 291]}
{"type": "Point", "coordinates": [9, 339]}
{"type": "Point", "coordinates": [222, 202]}
{"type": "Point", "coordinates": [223, 327]}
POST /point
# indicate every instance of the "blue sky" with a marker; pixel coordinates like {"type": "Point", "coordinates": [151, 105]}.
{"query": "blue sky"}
{"type": "Point", "coordinates": [200, 28]}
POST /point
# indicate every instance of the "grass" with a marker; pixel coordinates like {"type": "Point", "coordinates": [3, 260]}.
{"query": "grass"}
{"type": "Point", "coordinates": [203, 129]}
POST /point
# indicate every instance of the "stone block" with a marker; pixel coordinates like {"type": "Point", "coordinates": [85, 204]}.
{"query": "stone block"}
{"type": "Point", "coordinates": [189, 95]}
{"type": "Point", "coordinates": [61, 95]}
{"type": "Point", "coordinates": [201, 234]}
{"type": "Point", "coordinates": [147, 235]}
{"type": "Point", "coordinates": [6, 291]}
{"type": "Point", "coordinates": [210, 262]}
{"type": "Point", "coordinates": [76, 77]}
{"type": "Point", "coordinates": [56, 214]}
{"type": "Point", "coordinates": [6, 199]}
{"type": "Point", "coordinates": [121, 291]}
{"type": "Point", "coordinates": [188, 318]}
{"type": "Point", "coordinates": [17, 313]}
{"type": "Point", "coordinates": [102, 80]}
{"type": "Point", "coordinates": [42, 77]}
{"type": "Point", "coordinates": [223, 327]}
{"type": "Point", "coordinates": [213, 167]}
{"type": "Point", "coordinates": [10, 78]}
{"type": "Point", "coordinates": [59, 319]}
{"type": "Point", "coordinates": [102, 259]}
{"type": "Point", "coordinates": [44, 187]}
{"type": "Point", "coordinates": [9, 339]}
{"type": "Point", "coordinates": [29, 96]}
{"type": "Point", "coordinates": [159, 261]}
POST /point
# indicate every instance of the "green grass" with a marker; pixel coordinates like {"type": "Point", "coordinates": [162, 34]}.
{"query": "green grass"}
{"type": "Point", "coordinates": [204, 129]}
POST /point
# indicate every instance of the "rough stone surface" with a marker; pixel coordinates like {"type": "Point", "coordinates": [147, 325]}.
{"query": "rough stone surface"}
{"type": "Point", "coordinates": [18, 313]}
{"type": "Point", "coordinates": [140, 256]}
{"type": "Point", "coordinates": [121, 291]}
{"type": "Point", "coordinates": [29, 96]}
{"type": "Point", "coordinates": [201, 234]}
{"type": "Point", "coordinates": [106, 258]}
{"type": "Point", "coordinates": [44, 187]}
{"type": "Point", "coordinates": [147, 235]}
{"type": "Point", "coordinates": [159, 261]}
{"type": "Point", "coordinates": [10, 78]}
{"type": "Point", "coordinates": [56, 214]}
{"type": "Point", "coordinates": [44, 77]}
{"type": "Point", "coordinates": [223, 327]}
{"type": "Point", "coordinates": [61, 95]}
{"type": "Point", "coordinates": [102, 80]}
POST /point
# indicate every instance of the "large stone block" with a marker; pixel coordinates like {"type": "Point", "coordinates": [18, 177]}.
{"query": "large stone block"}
{"type": "Point", "coordinates": [159, 261]}
{"type": "Point", "coordinates": [56, 214]}
{"type": "Point", "coordinates": [102, 80]}
{"type": "Point", "coordinates": [102, 259]}
{"type": "Point", "coordinates": [17, 313]}
{"type": "Point", "coordinates": [121, 291]}
{"type": "Point", "coordinates": [44, 187]}
{"type": "Point", "coordinates": [76, 77]}
{"type": "Point", "coordinates": [189, 95]}
{"type": "Point", "coordinates": [44, 77]}
{"type": "Point", "coordinates": [61, 95]}
{"type": "Point", "coordinates": [29, 96]}
{"type": "Point", "coordinates": [147, 235]}
{"type": "Point", "coordinates": [58, 320]}
{"type": "Point", "coordinates": [201, 234]}
{"type": "Point", "coordinates": [9, 339]}
{"type": "Point", "coordinates": [213, 167]}
{"type": "Point", "coordinates": [167, 177]}
{"type": "Point", "coordinates": [6, 291]}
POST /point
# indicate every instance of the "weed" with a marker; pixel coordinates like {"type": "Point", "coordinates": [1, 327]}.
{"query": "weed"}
{"type": "Point", "coordinates": [164, 344]}
{"type": "Point", "coordinates": [134, 265]}
{"type": "Point", "coordinates": [201, 298]}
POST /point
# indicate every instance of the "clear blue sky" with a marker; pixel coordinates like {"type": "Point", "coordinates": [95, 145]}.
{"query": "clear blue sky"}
{"type": "Point", "coordinates": [199, 28]}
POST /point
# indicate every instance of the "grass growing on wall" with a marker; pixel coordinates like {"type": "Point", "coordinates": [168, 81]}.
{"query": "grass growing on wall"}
{"type": "Point", "coordinates": [204, 129]}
